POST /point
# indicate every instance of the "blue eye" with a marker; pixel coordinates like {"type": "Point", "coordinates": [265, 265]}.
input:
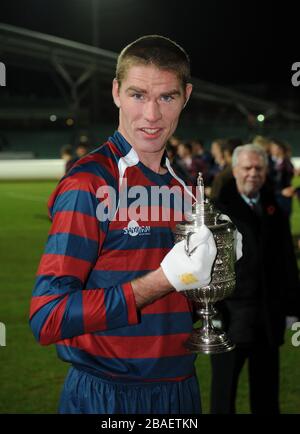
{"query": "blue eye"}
{"type": "Point", "coordinates": [167, 98]}
{"type": "Point", "coordinates": [138, 96]}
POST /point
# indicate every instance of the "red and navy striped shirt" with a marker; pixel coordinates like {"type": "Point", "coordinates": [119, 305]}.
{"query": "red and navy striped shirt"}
{"type": "Point", "coordinates": [83, 299]}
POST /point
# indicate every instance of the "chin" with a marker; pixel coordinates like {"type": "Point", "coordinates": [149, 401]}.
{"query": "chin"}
{"type": "Point", "coordinates": [150, 147]}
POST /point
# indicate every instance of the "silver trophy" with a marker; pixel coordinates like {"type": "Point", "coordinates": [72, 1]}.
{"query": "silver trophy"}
{"type": "Point", "coordinates": [208, 339]}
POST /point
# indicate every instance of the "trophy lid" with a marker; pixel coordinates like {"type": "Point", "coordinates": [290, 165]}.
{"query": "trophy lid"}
{"type": "Point", "coordinates": [203, 213]}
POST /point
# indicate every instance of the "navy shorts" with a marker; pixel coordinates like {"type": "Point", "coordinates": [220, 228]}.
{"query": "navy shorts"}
{"type": "Point", "coordinates": [87, 393]}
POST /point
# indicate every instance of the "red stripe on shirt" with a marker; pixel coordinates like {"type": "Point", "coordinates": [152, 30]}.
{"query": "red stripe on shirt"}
{"type": "Point", "coordinates": [76, 223]}
{"type": "Point", "coordinates": [124, 260]}
{"type": "Point", "coordinates": [114, 148]}
{"type": "Point", "coordinates": [51, 331]}
{"type": "Point", "coordinates": [172, 302]}
{"type": "Point", "coordinates": [94, 312]}
{"type": "Point", "coordinates": [39, 301]}
{"type": "Point", "coordinates": [79, 181]}
{"type": "Point", "coordinates": [135, 347]}
{"type": "Point", "coordinates": [105, 161]}
{"type": "Point", "coordinates": [62, 265]}
{"type": "Point", "coordinates": [131, 303]}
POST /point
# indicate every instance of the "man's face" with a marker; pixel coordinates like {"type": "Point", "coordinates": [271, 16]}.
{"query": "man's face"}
{"type": "Point", "coordinates": [150, 102]}
{"type": "Point", "coordinates": [250, 173]}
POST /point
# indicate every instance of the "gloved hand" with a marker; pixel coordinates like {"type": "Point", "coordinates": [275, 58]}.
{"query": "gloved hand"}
{"type": "Point", "coordinates": [237, 239]}
{"type": "Point", "coordinates": [191, 271]}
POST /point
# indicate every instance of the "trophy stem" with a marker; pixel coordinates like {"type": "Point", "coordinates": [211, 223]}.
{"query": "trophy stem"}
{"type": "Point", "coordinates": [207, 339]}
{"type": "Point", "coordinates": [207, 312]}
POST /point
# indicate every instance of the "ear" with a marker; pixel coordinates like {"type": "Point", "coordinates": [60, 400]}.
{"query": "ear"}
{"type": "Point", "coordinates": [115, 92]}
{"type": "Point", "coordinates": [188, 91]}
{"type": "Point", "coordinates": [234, 171]}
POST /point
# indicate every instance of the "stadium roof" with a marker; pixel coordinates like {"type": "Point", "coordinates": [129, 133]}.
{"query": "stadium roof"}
{"type": "Point", "coordinates": [73, 59]}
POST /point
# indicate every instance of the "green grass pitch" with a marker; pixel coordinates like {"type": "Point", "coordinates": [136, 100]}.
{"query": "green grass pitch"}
{"type": "Point", "coordinates": [31, 376]}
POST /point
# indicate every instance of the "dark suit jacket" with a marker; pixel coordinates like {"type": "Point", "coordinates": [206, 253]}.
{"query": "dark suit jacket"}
{"type": "Point", "coordinates": [267, 285]}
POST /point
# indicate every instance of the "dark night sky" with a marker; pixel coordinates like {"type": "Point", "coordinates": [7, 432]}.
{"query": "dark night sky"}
{"type": "Point", "coordinates": [229, 42]}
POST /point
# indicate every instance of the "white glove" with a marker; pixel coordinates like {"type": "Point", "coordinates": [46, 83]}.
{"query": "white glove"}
{"type": "Point", "coordinates": [191, 271]}
{"type": "Point", "coordinates": [237, 239]}
{"type": "Point", "coordinates": [238, 244]}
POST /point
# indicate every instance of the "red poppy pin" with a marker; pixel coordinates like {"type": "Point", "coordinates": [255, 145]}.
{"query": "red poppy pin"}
{"type": "Point", "coordinates": [270, 209]}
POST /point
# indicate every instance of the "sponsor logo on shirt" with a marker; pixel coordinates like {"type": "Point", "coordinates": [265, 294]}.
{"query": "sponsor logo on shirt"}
{"type": "Point", "coordinates": [133, 229]}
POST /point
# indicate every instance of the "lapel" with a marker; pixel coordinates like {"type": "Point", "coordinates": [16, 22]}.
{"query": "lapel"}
{"type": "Point", "coordinates": [236, 207]}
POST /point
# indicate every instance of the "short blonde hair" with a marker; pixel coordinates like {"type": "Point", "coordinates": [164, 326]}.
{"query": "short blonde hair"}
{"type": "Point", "coordinates": [158, 51]}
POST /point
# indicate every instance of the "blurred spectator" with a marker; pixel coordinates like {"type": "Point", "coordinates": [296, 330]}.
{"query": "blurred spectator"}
{"type": "Point", "coordinates": [218, 160]}
{"type": "Point", "coordinates": [179, 169]}
{"type": "Point", "coordinates": [193, 165]}
{"type": "Point", "coordinates": [184, 152]}
{"type": "Point", "coordinates": [264, 142]}
{"type": "Point", "coordinates": [225, 174]}
{"type": "Point", "coordinates": [282, 175]}
{"type": "Point", "coordinates": [174, 141]}
{"type": "Point", "coordinates": [199, 151]}
{"type": "Point", "coordinates": [267, 288]}
{"type": "Point", "coordinates": [81, 150]}
{"type": "Point", "coordinates": [66, 154]}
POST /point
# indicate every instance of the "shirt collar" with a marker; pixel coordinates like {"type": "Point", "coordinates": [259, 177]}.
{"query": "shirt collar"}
{"type": "Point", "coordinates": [120, 142]}
{"type": "Point", "coordinates": [251, 200]}
{"type": "Point", "coordinates": [125, 147]}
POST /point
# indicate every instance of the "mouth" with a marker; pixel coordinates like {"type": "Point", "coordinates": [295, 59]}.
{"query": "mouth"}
{"type": "Point", "coordinates": [151, 133]}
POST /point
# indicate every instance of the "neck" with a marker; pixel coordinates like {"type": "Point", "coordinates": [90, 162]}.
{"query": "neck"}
{"type": "Point", "coordinates": [152, 160]}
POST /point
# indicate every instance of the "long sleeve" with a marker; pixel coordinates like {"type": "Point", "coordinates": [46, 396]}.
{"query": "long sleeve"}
{"type": "Point", "coordinates": [61, 307]}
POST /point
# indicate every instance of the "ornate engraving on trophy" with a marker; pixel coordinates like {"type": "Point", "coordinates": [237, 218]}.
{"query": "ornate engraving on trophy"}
{"type": "Point", "coordinates": [207, 338]}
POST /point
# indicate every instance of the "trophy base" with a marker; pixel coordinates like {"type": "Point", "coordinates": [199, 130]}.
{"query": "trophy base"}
{"type": "Point", "coordinates": [213, 343]}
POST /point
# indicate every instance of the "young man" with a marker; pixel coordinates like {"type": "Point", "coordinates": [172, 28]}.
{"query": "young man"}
{"type": "Point", "coordinates": [108, 290]}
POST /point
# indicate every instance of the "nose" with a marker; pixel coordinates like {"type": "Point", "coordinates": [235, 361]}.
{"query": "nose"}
{"type": "Point", "coordinates": [253, 171]}
{"type": "Point", "coordinates": [152, 111]}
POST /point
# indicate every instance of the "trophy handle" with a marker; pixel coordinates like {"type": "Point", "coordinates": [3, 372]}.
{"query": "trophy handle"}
{"type": "Point", "coordinates": [187, 244]}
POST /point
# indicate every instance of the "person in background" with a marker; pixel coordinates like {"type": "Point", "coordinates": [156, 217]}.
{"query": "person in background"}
{"type": "Point", "coordinates": [82, 149]}
{"type": "Point", "coordinates": [282, 175]}
{"type": "Point", "coordinates": [66, 154]}
{"type": "Point", "coordinates": [192, 165]}
{"type": "Point", "coordinates": [265, 143]}
{"type": "Point", "coordinates": [179, 168]}
{"type": "Point", "coordinates": [225, 174]}
{"type": "Point", "coordinates": [200, 152]}
{"type": "Point", "coordinates": [267, 288]}
{"type": "Point", "coordinates": [218, 160]}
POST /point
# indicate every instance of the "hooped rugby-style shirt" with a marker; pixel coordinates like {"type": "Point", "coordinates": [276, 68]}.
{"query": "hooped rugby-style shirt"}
{"type": "Point", "coordinates": [83, 299]}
